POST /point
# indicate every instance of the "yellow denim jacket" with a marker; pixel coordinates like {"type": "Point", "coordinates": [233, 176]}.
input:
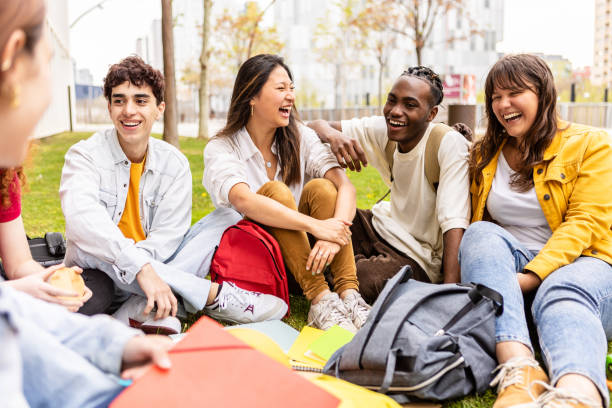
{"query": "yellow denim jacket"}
{"type": "Point", "coordinates": [574, 188]}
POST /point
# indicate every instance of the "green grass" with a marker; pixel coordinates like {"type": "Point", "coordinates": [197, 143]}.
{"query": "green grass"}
{"type": "Point", "coordinates": [42, 211]}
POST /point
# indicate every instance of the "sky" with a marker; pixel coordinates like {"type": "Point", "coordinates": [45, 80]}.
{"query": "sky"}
{"type": "Point", "coordinates": [563, 27]}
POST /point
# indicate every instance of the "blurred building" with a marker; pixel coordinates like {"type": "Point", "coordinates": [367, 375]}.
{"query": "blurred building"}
{"type": "Point", "coordinates": [463, 42]}
{"type": "Point", "coordinates": [602, 69]}
{"type": "Point", "coordinates": [58, 117]}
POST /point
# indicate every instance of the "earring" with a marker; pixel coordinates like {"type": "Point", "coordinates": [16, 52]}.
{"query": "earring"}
{"type": "Point", "coordinates": [252, 110]}
{"type": "Point", "coordinates": [13, 93]}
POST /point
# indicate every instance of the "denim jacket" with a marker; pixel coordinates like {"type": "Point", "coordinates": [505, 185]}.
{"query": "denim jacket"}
{"type": "Point", "coordinates": [573, 187]}
{"type": "Point", "coordinates": [93, 191]}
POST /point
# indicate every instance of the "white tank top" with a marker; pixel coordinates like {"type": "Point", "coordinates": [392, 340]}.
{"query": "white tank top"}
{"type": "Point", "coordinates": [519, 213]}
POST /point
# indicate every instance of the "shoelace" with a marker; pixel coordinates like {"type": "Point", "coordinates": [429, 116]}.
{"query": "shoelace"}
{"type": "Point", "coordinates": [232, 298]}
{"type": "Point", "coordinates": [510, 372]}
{"type": "Point", "coordinates": [560, 398]}
{"type": "Point", "coordinates": [331, 311]}
{"type": "Point", "coordinates": [359, 308]}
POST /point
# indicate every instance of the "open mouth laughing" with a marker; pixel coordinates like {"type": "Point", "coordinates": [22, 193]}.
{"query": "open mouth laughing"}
{"type": "Point", "coordinates": [130, 124]}
{"type": "Point", "coordinates": [285, 111]}
{"type": "Point", "coordinates": [512, 117]}
{"type": "Point", "coordinates": [396, 124]}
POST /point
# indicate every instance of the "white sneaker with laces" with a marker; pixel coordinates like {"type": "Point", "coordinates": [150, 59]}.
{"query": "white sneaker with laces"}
{"type": "Point", "coordinates": [358, 309]}
{"type": "Point", "coordinates": [328, 312]}
{"type": "Point", "coordinates": [131, 314]}
{"type": "Point", "coordinates": [236, 305]}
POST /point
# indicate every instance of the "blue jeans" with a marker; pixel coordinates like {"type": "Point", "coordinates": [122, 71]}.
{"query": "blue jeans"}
{"type": "Point", "coordinates": [572, 309]}
{"type": "Point", "coordinates": [185, 271]}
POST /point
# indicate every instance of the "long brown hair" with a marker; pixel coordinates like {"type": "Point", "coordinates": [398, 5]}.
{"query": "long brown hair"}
{"type": "Point", "coordinates": [7, 184]}
{"type": "Point", "coordinates": [252, 76]}
{"type": "Point", "coordinates": [518, 72]}
{"type": "Point", "coordinates": [26, 15]}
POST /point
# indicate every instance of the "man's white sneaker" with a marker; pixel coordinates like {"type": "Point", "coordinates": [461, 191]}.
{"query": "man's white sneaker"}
{"type": "Point", "coordinates": [330, 311]}
{"type": "Point", "coordinates": [131, 314]}
{"type": "Point", "coordinates": [237, 305]}
{"type": "Point", "coordinates": [358, 309]}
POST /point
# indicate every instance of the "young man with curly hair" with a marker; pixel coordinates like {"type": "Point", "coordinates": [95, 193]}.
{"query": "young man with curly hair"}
{"type": "Point", "coordinates": [126, 198]}
{"type": "Point", "coordinates": [423, 222]}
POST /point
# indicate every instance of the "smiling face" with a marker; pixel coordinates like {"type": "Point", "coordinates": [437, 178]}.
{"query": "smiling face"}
{"type": "Point", "coordinates": [408, 111]}
{"type": "Point", "coordinates": [515, 109]}
{"type": "Point", "coordinates": [272, 106]}
{"type": "Point", "coordinates": [133, 110]}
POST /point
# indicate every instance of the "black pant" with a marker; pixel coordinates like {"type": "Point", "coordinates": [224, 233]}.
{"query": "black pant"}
{"type": "Point", "coordinates": [103, 289]}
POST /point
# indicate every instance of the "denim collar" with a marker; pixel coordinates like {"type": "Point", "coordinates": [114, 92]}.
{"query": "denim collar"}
{"type": "Point", "coordinates": [119, 155]}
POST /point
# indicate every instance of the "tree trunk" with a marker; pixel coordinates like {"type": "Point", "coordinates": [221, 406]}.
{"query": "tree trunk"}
{"type": "Point", "coordinates": [418, 50]}
{"type": "Point", "coordinates": [170, 114]}
{"type": "Point", "coordinates": [204, 85]}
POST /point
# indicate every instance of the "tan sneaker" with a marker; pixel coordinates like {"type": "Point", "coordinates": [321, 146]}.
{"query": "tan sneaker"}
{"type": "Point", "coordinates": [561, 398]}
{"type": "Point", "coordinates": [330, 311]}
{"type": "Point", "coordinates": [516, 385]}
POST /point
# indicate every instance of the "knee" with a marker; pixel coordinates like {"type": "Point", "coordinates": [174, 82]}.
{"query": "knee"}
{"type": "Point", "coordinates": [321, 189]}
{"type": "Point", "coordinates": [278, 191]}
{"type": "Point", "coordinates": [477, 236]}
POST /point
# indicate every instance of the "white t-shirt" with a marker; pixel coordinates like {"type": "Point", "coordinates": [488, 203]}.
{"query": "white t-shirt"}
{"type": "Point", "coordinates": [517, 212]}
{"type": "Point", "coordinates": [415, 218]}
{"type": "Point", "coordinates": [232, 160]}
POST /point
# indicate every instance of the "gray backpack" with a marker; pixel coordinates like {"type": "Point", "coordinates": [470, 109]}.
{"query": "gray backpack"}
{"type": "Point", "coordinates": [423, 340]}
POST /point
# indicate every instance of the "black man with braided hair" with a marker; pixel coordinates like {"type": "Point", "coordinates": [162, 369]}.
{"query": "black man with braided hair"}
{"type": "Point", "coordinates": [423, 222]}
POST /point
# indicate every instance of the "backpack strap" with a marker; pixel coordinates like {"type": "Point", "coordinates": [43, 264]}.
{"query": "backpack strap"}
{"type": "Point", "coordinates": [432, 166]}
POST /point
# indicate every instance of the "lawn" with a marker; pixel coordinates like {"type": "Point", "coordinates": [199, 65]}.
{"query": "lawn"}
{"type": "Point", "coordinates": [42, 211]}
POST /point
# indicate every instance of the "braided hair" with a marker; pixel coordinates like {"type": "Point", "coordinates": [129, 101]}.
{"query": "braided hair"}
{"type": "Point", "coordinates": [433, 79]}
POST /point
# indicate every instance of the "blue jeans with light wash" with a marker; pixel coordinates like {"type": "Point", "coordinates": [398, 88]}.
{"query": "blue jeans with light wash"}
{"type": "Point", "coordinates": [185, 271]}
{"type": "Point", "coordinates": [572, 309]}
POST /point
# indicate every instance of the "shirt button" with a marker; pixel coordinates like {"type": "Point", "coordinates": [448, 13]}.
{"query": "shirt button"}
{"type": "Point", "coordinates": [540, 170]}
{"type": "Point", "coordinates": [562, 176]}
{"type": "Point", "coordinates": [125, 162]}
{"type": "Point", "coordinates": [594, 252]}
{"type": "Point", "coordinates": [546, 197]}
{"type": "Point", "coordinates": [125, 185]}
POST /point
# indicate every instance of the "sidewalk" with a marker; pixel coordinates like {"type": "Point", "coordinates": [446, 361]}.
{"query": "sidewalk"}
{"type": "Point", "coordinates": [184, 129]}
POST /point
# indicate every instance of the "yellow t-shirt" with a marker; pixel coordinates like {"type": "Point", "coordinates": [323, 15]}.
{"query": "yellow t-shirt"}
{"type": "Point", "coordinates": [130, 223]}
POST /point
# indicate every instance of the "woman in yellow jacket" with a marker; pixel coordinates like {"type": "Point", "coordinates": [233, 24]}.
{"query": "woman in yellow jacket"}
{"type": "Point", "coordinates": [544, 190]}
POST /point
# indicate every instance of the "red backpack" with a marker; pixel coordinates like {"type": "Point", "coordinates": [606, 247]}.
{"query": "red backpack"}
{"type": "Point", "coordinates": [251, 258]}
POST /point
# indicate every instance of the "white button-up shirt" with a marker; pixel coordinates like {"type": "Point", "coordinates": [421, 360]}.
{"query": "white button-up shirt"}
{"type": "Point", "coordinates": [235, 159]}
{"type": "Point", "coordinates": [93, 192]}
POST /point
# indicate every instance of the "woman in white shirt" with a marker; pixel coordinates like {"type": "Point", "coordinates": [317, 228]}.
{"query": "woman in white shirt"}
{"type": "Point", "coordinates": [264, 162]}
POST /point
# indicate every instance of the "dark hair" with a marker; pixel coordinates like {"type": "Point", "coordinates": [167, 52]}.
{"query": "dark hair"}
{"type": "Point", "coordinates": [25, 15]}
{"type": "Point", "coordinates": [433, 79]}
{"type": "Point", "coordinates": [518, 72]}
{"type": "Point", "coordinates": [134, 70]}
{"type": "Point", "coordinates": [7, 184]}
{"type": "Point", "coordinates": [252, 76]}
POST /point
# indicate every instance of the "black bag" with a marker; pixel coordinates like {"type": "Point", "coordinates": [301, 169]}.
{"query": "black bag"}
{"type": "Point", "coordinates": [423, 340]}
{"type": "Point", "coordinates": [49, 250]}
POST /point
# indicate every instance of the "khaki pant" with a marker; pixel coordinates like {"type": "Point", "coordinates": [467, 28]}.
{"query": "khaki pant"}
{"type": "Point", "coordinates": [318, 200]}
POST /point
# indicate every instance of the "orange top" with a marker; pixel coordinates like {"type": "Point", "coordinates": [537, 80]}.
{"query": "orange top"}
{"type": "Point", "coordinates": [130, 223]}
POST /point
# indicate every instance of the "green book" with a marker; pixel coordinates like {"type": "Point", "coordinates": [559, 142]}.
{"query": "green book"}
{"type": "Point", "coordinates": [330, 341]}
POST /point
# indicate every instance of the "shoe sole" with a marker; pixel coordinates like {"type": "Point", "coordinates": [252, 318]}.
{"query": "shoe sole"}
{"type": "Point", "coordinates": [230, 320]}
{"type": "Point", "coordinates": [152, 329]}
